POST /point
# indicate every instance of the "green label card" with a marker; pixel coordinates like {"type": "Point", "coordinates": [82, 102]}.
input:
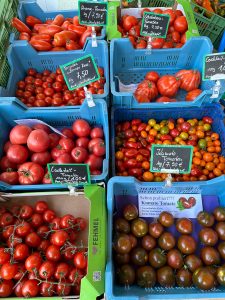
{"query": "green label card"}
{"type": "Point", "coordinates": [171, 159]}
{"type": "Point", "coordinates": [74, 174]}
{"type": "Point", "coordinates": [80, 72]}
{"type": "Point", "coordinates": [93, 13]}
{"type": "Point", "coordinates": [214, 66]}
{"type": "Point", "coordinates": [155, 25]}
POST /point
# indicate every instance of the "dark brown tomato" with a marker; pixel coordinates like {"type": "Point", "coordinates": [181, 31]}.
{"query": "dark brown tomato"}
{"type": "Point", "coordinates": [205, 219]}
{"type": "Point", "coordinates": [193, 262]}
{"type": "Point", "coordinates": [186, 244]}
{"type": "Point", "coordinates": [219, 214]}
{"type": "Point", "coordinates": [157, 258]}
{"type": "Point", "coordinates": [184, 226]}
{"type": "Point", "coordinates": [221, 249]}
{"type": "Point", "coordinates": [122, 225]}
{"type": "Point", "coordinates": [139, 256]}
{"type": "Point", "coordinates": [220, 275]}
{"type": "Point", "coordinates": [122, 244]}
{"type": "Point", "coordinates": [155, 229]}
{"type": "Point", "coordinates": [166, 277]}
{"type": "Point", "coordinates": [148, 242]}
{"type": "Point", "coordinates": [146, 277]}
{"type": "Point", "coordinates": [220, 229]}
{"type": "Point", "coordinates": [166, 219]}
{"type": "Point", "coordinates": [208, 236]}
{"type": "Point", "coordinates": [139, 227]}
{"type": "Point", "coordinates": [167, 241]}
{"type": "Point", "coordinates": [122, 259]}
{"type": "Point", "coordinates": [175, 259]}
{"type": "Point", "coordinates": [210, 256]}
{"type": "Point", "coordinates": [133, 240]}
{"type": "Point", "coordinates": [203, 279]}
{"type": "Point", "coordinates": [130, 212]}
{"type": "Point", "coordinates": [184, 278]}
{"type": "Point", "coordinates": [125, 275]}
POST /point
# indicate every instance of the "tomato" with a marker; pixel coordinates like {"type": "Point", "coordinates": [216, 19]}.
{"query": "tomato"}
{"type": "Point", "coordinates": [21, 252]}
{"type": "Point", "coordinates": [46, 270]}
{"type": "Point", "coordinates": [75, 276]}
{"type": "Point", "coordinates": [96, 132]}
{"type": "Point", "coordinates": [99, 149]}
{"type": "Point", "coordinates": [172, 15]}
{"type": "Point", "coordinates": [62, 271]}
{"type": "Point", "coordinates": [180, 24]}
{"type": "Point", "coordinates": [41, 37]}
{"type": "Point", "coordinates": [41, 158]}
{"type": "Point", "coordinates": [129, 22]}
{"type": "Point", "coordinates": [72, 45]}
{"type": "Point", "coordinates": [7, 232]}
{"type": "Point", "coordinates": [19, 134]}
{"type": "Point", "coordinates": [192, 95]}
{"type": "Point", "coordinates": [166, 219]}
{"type": "Point", "coordinates": [80, 224]}
{"type": "Point", "coordinates": [68, 132]}
{"type": "Point", "coordinates": [6, 288]}
{"type": "Point", "coordinates": [59, 238]}
{"type": "Point", "coordinates": [84, 37]}
{"type": "Point", "coordinates": [205, 219]}
{"type": "Point", "coordinates": [50, 30]}
{"type": "Point", "coordinates": [67, 221]}
{"type": "Point", "coordinates": [9, 177]}
{"type": "Point", "coordinates": [184, 226]}
{"type": "Point", "coordinates": [77, 28]}
{"type": "Point", "coordinates": [203, 279]}
{"type": "Point", "coordinates": [166, 277]}
{"type": "Point", "coordinates": [20, 26]}
{"type": "Point", "coordinates": [4, 256]}
{"type": "Point", "coordinates": [93, 142]}
{"type": "Point", "coordinates": [58, 20]}
{"type": "Point", "coordinates": [63, 289]}
{"type": "Point", "coordinates": [41, 207]}
{"type": "Point", "coordinates": [125, 275]}
{"type": "Point", "coordinates": [66, 143]}
{"type": "Point", "coordinates": [6, 219]}
{"type": "Point", "coordinates": [41, 45]}
{"type": "Point", "coordinates": [8, 270]}
{"type": "Point", "coordinates": [33, 240]}
{"type": "Point", "coordinates": [17, 154]}
{"type": "Point", "coordinates": [193, 262]}
{"type": "Point", "coordinates": [208, 236]}
{"type": "Point", "coordinates": [38, 141]}
{"type": "Point", "coordinates": [186, 244]}
{"type": "Point", "coordinates": [176, 37]}
{"type": "Point", "coordinates": [48, 215]}
{"type": "Point", "coordinates": [175, 259]}
{"type": "Point", "coordinates": [166, 241]}
{"type": "Point", "coordinates": [79, 154]}
{"type": "Point", "coordinates": [81, 128]}
{"type": "Point", "coordinates": [157, 43]}
{"type": "Point", "coordinates": [152, 76]}
{"type": "Point", "coordinates": [83, 142]}
{"type": "Point", "coordinates": [53, 253]}
{"type": "Point", "coordinates": [47, 289]}
{"type": "Point", "coordinates": [94, 162]}
{"type": "Point", "coordinates": [141, 44]}
{"type": "Point", "coordinates": [6, 164]}
{"type": "Point", "coordinates": [36, 220]}
{"type": "Point", "coordinates": [80, 260]}
{"type": "Point", "coordinates": [168, 85]}
{"type": "Point", "coordinates": [30, 173]}
{"type": "Point", "coordinates": [65, 158]}
{"type": "Point", "coordinates": [190, 79]}
{"type": "Point", "coordinates": [135, 31]}
{"type": "Point", "coordinates": [184, 278]}
{"type": "Point", "coordinates": [31, 21]}
{"type": "Point", "coordinates": [62, 37]}
{"type": "Point", "coordinates": [30, 288]}
{"type": "Point", "coordinates": [146, 91]}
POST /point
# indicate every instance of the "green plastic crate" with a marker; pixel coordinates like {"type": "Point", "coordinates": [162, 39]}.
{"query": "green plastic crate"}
{"type": "Point", "coordinates": [4, 71]}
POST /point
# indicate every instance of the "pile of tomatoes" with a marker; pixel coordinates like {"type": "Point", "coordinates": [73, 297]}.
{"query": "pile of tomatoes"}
{"type": "Point", "coordinates": [29, 150]}
{"type": "Point", "coordinates": [130, 26]}
{"type": "Point", "coordinates": [167, 86]}
{"type": "Point", "coordinates": [151, 253]}
{"type": "Point", "coordinates": [134, 140]}
{"type": "Point", "coordinates": [59, 34]}
{"type": "Point", "coordinates": [40, 253]}
{"type": "Point", "coordinates": [50, 89]}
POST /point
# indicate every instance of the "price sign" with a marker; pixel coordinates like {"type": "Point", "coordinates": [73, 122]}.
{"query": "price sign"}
{"type": "Point", "coordinates": [93, 13]}
{"type": "Point", "coordinates": [74, 174]}
{"type": "Point", "coordinates": [80, 72]}
{"type": "Point", "coordinates": [214, 66]}
{"type": "Point", "coordinates": [171, 159]}
{"type": "Point", "coordinates": [155, 25]}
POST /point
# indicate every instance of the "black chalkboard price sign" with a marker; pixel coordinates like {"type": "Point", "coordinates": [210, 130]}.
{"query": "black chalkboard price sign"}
{"type": "Point", "coordinates": [214, 66]}
{"type": "Point", "coordinates": [74, 174]}
{"type": "Point", "coordinates": [93, 13]}
{"type": "Point", "coordinates": [171, 159]}
{"type": "Point", "coordinates": [80, 72]}
{"type": "Point", "coordinates": [155, 25]}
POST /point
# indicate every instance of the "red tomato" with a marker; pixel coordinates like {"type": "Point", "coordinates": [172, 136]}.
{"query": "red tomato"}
{"type": "Point", "coordinates": [50, 30]}
{"type": "Point", "coordinates": [66, 143]}
{"type": "Point", "coordinates": [97, 132]}
{"type": "Point", "coordinates": [63, 289]}
{"type": "Point", "coordinates": [168, 85]}
{"type": "Point", "coordinates": [41, 37]}
{"type": "Point", "coordinates": [68, 132]}
{"type": "Point", "coordinates": [165, 99]}
{"type": "Point", "coordinates": [99, 149]}
{"type": "Point", "coordinates": [141, 44]}
{"type": "Point", "coordinates": [146, 91]}
{"type": "Point", "coordinates": [23, 229]}
{"type": "Point", "coordinates": [58, 20]}
{"type": "Point", "coordinates": [42, 231]}
{"type": "Point", "coordinates": [38, 141]}
{"type": "Point", "coordinates": [48, 215]}
{"type": "Point", "coordinates": [72, 45]}
{"type": "Point", "coordinates": [6, 219]}
{"type": "Point", "coordinates": [168, 44]}
{"type": "Point", "coordinates": [33, 240]}
{"type": "Point", "coordinates": [94, 162]}
{"type": "Point", "coordinates": [7, 146]}
{"type": "Point", "coordinates": [65, 158]}
{"type": "Point", "coordinates": [144, 10]}
{"type": "Point", "coordinates": [30, 288]}
{"type": "Point", "coordinates": [62, 271]}
{"type": "Point", "coordinates": [46, 270]}
{"type": "Point", "coordinates": [193, 94]}
{"type": "Point", "coordinates": [6, 288]}
{"type": "Point", "coordinates": [183, 38]}
{"type": "Point", "coordinates": [176, 37]}
{"type": "Point", "coordinates": [17, 154]}
{"type": "Point", "coordinates": [8, 270]}
{"type": "Point", "coordinates": [67, 221]}
{"type": "Point", "coordinates": [76, 275]}
{"type": "Point", "coordinates": [6, 164]}
{"type": "Point", "coordinates": [81, 224]}
{"type": "Point", "coordinates": [62, 37]}
{"type": "Point", "coordinates": [41, 45]}
{"type": "Point", "coordinates": [79, 154]}
{"type": "Point", "coordinates": [21, 252]}
{"type": "Point", "coordinates": [41, 158]}
{"type": "Point", "coordinates": [83, 141]}
{"type": "Point", "coordinates": [53, 253]}
{"type": "Point", "coordinates": [54, 139]}
{"type": "Point", "coordinates": [152, 76]}
{"type": "Point", "coordinates": [84, 37]}
{"type": "Point", "coordinates": [46, 179]}
{"type": "Point", "coordinates": [20, 26]}
{"type": "Point", "coordinates": [59, 238]}
{"type": "Point", "coordinates": [4, 256]}
{"type": "Point", "coordinates": [47, 289]}
{"type": "Point", "coordinates": [172, 15]}
{"type": "Point", "coordinates": [135, 31]}
{"type": "Point", "coordinates": [44, 245]}
{"type": "Point", "coordinates": [30, 173]}
{"type": "Point", "coordinates": [81, 128]}
{"type": "Point", "coordinates": [33, 262]}
{"type": "Point", "coordinates": [80, 260]}
{"type": "Point", "coordinates": [37, 220]}
{"type": "Point", "coordinates": [129, 22]}
{"type": "Point", "coordinates": [9, 177]}
{"type": "Point", "coordinates": [19, 134]}
{"type": "Point", "coordinates": [190, 79]}
{"type": "Point", "coordinates": [157, 43]}
{"type": "Point", "coordinates": [41, 207]}
{"type": "Point", "coordinates": [31, 21]}
{"type": "Point", "coordinates": [77, 28]}
{"type": "Point", "coordinates": [180, 24]}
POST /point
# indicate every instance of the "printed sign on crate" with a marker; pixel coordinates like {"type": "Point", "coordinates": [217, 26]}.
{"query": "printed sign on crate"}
{"type": "Point", "coordinates": [154, 25]}
{"type": "Point", "coordinates": [74, 174]}
{"type": "Point", "coordinates": [171, 159]}
{"type": "Point", "coordinates": [93, 13]}
{"type": "Point", "coordinates": [80, 72]}
{"type": "Point", "coordinates": [214, 66]}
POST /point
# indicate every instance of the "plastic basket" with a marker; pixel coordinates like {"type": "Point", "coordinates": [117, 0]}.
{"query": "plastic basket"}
{"type": "Point", "coordinates": [125, 187]}
{"type": "Point", "coordinates": [213, 110]}
{"type": "Point", "coordinates": [22, 56]}
{"type": "Point", "coordinates": [130, 65]}
{"type": "Point", "coordinates": [11, 110]}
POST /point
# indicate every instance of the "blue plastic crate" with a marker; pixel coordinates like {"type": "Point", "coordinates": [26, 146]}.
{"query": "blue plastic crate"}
{"type": "Point", "coordinates": [129, 65]}
{"type": "Point", "coordinates": [214, 110]}
{"type": "Point", "coordinates": [22, 56]}
{"type": "Point", "coordinates": [11, 110]}
{"type": "Point", "coordinates": [121, 186]}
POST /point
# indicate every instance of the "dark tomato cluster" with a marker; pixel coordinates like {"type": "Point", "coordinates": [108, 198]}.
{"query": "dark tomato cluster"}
{"type": "Point", "coordinates": [134, 139]}
{"type": "Point", "coordinates": [130, 26]}
{"type": "Point", "coordinates": [50, 89]}
{"type": "Point", "coordinates": [59, 34]}
{"type": "Point", "coordinates": [29, 150]}
{"type": "Point", "coordinates": [166, 87]}
{"type": "Point", "coordinates": [147, 254]}
{"type": "Point", "coordinates": [43, 254]}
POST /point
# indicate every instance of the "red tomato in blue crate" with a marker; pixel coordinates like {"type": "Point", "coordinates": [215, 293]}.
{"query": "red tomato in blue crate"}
{"type": "Point", "coordinates": [81, 128]}
{"type": "Point", "coordinates": [19, 134]}
{"type": "Point", "coordinates": [38, 140]}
